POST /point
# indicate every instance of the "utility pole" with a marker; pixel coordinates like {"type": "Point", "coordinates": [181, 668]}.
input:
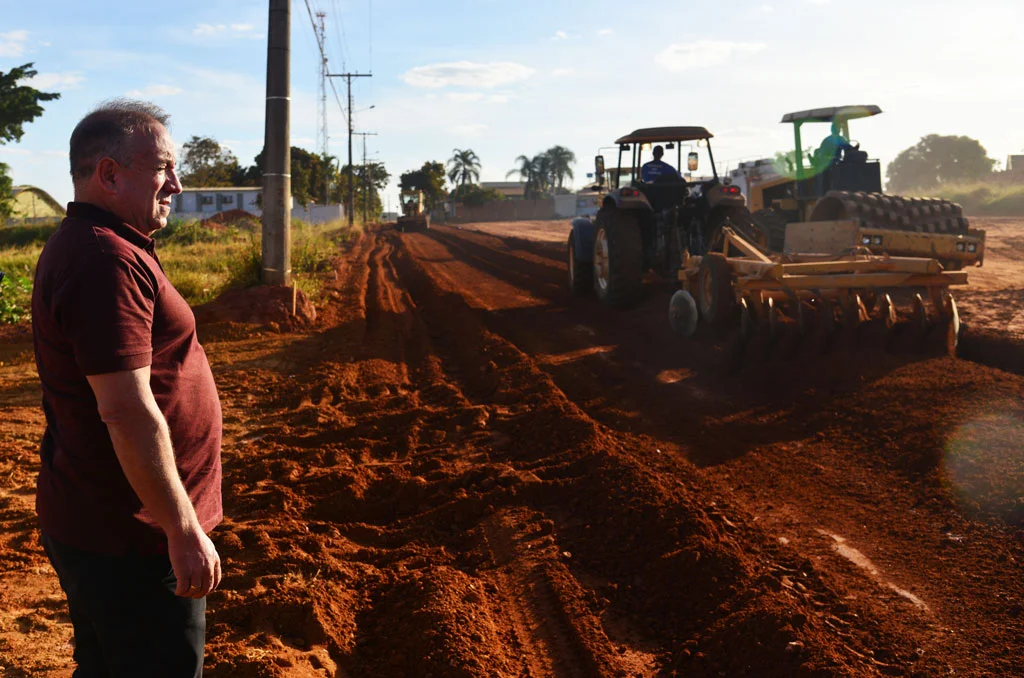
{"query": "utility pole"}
{"type": "Point", "coordinates": [350, 207]}
{"type": "Point", "coordinates": [366, 175]}
{"type": "Point", "coordinates": [277, 178]}
{"type": "Point", "coordinates": [322, 131]}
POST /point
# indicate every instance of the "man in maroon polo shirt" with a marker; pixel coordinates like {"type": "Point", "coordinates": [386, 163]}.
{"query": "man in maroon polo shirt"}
{"type": "Point", "coordinates": [130, 476]}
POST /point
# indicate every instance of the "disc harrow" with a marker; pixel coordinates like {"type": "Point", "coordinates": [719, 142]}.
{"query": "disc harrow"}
{"type": "Point", "coordinates": [783, 305]}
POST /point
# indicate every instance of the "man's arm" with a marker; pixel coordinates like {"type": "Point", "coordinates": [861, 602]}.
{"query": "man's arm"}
{"type": "Point", "coordinates": [142, 443]}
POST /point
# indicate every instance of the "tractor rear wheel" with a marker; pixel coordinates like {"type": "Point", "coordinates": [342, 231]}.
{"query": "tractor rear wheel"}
{"type": "Point", "coordinates": [581, 273]}
{"type": "Point", "coordinates": [715, 296]}
{"type": "Point", "coordinates": [618, 257]}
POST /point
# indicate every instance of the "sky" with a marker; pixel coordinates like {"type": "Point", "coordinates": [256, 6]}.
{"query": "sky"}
{"type": "Point", "coordinates": [514, 78]}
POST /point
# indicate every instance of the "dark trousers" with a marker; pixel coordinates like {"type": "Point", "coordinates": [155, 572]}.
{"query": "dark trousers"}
{"type": "Point", "coordinates": [128, 622]}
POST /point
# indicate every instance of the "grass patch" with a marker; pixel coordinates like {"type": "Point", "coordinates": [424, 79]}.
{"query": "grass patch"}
{"type": "Point", "coordinates": [980, 198]}
{"type": "Point", "coordinates": [200, 261]}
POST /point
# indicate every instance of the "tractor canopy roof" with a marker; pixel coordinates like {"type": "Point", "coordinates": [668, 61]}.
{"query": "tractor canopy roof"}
{"type": "Point", "coordinates": [660, 134]}
{"type": "Point", "coordinates": [832, 113]}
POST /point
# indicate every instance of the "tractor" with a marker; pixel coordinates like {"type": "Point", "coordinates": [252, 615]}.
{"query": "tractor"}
{"type": "Point", "coordinates": [648, 222]}
{"type": "Point", "coordinates": [845, 185]}
{"type": "Point", "coordinates": [414, 216]}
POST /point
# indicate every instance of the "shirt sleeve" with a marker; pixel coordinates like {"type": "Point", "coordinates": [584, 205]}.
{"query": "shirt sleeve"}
{"type": "Point", "coordinates": [105, 309]}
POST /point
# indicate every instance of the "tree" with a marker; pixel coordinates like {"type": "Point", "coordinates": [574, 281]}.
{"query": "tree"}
{"type": "Point", "coordinates": [206, 164]}
{"type": "Point", "coordinates": [937, 159]}
{"type": "Point", "coordinates": [528, 174]}
{"type": "Point", "coordinates": [429, 179]}
{"type": "Point", "coordinates": [561, 159]}
{"type": "Point", "coordinates": [473, 195]}
{"type": "Point", "coordinates": [463, 167]}
{"type": "Point", "coordinates": [19, 104]}
{"type": "Point", "coordinates": [6, 192]}
{"type": "Point", "coordinates": [309, 171]}
{"type": "Point", "coordinates": [370, 180]}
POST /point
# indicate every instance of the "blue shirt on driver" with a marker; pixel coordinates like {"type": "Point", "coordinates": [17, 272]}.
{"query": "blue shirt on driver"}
{"type": "Point", "coordinates": [657, 168]}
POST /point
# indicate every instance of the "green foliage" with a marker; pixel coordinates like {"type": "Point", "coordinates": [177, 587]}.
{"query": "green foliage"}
{"type": "Point", "coordinates": [206, 164]}
{"type": "Point", "coordinates": [938, 159]}
{"type": "Point", "coordinates": [463, 167]}
{"type": "Point", "coordinates": [15, 298]}
{"type": "Point", "coordinates": [200, 261]}
{"type": "Point", "coordinates": [6, 192]}
{"type": "Point", "coordinates": [430, 179]}
{"type": "Point", "coordinates": [192, 232]}
{"type": "Point", "coordinates": [473, 195]}
{"type": "Point", "coordinates": [369, 180]}
{"type": "Point", "coordinates": [22, 235]}
{"type": "Point", "coordinates": [545, 173]}
{"type": "Point", "coordinates": [979, 198]}
{"type": "Point", "coordinates": [19, 104]}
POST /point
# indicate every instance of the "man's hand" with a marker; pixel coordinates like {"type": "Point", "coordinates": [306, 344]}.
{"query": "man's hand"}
{"type": "Point", "coordinates": [196, 564]}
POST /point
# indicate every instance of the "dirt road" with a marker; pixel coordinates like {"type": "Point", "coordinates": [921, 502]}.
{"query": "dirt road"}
{"type": "Point", "coordinates": [464, 471]}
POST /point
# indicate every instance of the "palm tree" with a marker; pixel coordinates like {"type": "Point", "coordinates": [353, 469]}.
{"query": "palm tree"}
{"type": "Point", "coordinates": [463, 167]}
{"type": "Point", "coordinates": [527, 172]}
{"type": "Point", "coordinates": [545, 172]}
{"type": "Point", "coordinates": [561, 159]}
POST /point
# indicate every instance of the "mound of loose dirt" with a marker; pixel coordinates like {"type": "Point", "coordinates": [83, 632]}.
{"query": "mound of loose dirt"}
{"type": "Point", "coordinates": [229, 217]}
{"type": "Point", "coordinates": [261, 305]}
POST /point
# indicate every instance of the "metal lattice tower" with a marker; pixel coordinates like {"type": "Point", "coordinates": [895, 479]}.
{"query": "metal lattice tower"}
{"type": "Point", "coordinates": [321, 135]}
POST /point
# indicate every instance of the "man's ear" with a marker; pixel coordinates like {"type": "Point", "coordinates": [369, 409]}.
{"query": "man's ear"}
{"type": "Point", "coordinates": [106, 174]}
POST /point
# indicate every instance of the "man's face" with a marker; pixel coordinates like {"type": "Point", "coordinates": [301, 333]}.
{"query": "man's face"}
{"type": "Point", "coordinates": [148, 180]}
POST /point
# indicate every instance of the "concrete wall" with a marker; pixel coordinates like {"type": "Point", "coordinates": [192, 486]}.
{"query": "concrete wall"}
{"type": "Point", "coordinates": [506, 210]}
{"type": "Point", "coordinates": [318, 214]}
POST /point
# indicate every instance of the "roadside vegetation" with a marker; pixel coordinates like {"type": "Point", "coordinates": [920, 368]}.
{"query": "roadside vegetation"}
{"type": "Point", "coordinates": [984, 198]}
{"type": "Point", "coordinates": [202, 261]}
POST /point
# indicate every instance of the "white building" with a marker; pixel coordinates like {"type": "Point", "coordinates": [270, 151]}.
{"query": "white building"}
{"type": "Point", "coordinates": [201, 203]}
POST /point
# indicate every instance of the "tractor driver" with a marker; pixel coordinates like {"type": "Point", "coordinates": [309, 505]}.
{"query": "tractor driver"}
{"type": "Point", "coordinates": [830, 148]}
{"type": "Point", "coordinates": [656, 169]}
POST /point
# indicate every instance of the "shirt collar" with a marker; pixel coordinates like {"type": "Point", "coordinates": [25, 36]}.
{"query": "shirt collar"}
{"type": "Point", "coordinates": [89, 212]}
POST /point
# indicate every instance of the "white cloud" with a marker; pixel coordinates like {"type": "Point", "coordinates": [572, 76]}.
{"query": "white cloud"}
{"type": "Point", "coordinates": [45, 81]}
{"type": "Point", "coordinates": [819, 2]}
{"type": "Point", "coordinates": [499, 99]}
{"type": "Point", "coordinates": [560, 35]}
{"type": "Point", "coordinates": [221, 30]}
{"type": "Point", "coordinates": [605, 31]}
{"type": "Point", "coordinates": [152, 91]}
{"type": "Point", "coordinates": [703, 53]}
{"type": "Point", "coordinates": [464, 97]}
{"type": "Point", "coordinates": [766, 9]}
{"type": "Point", "coordinates": [12, 43]}
{"type": "Point", "coordinates": [563, 72]}
{"type": "Point", "coordinates": [469, 130]}
{"type": "Point", "coordinates": [467, 74]}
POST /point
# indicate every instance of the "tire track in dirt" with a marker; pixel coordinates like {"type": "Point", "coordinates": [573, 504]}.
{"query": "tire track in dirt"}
{"type": "Point", "coordinates": [537, 617]}
{"type": "Point", "coordinates": [740, 424]}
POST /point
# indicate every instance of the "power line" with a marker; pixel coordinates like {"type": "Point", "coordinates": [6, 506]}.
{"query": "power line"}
{"type": "Point", "coordinates": [351, 187]}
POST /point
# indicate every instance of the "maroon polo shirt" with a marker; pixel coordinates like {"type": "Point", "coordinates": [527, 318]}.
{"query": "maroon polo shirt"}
{"type": "Point", "coordinates": [101, 303]}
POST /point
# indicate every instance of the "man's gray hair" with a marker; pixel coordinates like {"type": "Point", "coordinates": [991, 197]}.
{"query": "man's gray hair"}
{"type": "Point", "coordinates": [106, 131]}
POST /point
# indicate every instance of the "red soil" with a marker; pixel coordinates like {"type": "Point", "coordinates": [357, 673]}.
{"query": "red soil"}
{"type": "Point", "coordinates": [460, 470]}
